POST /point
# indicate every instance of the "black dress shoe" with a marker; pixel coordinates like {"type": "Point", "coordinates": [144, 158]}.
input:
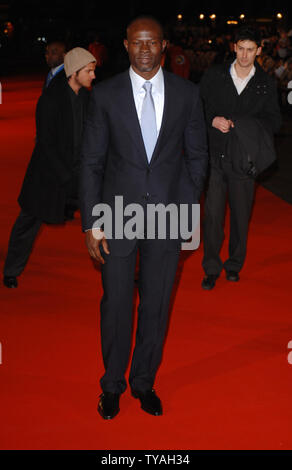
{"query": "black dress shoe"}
{"type": "Point", "coordinates": [10, 282]}
{"type": "Point", "coordinates": [108, 406]}
{"type": "Point", "coordinates": [209, 281]}
{"type": "Point", "coordinates": [149, 402]}
{"type": "Point", "coordinates": [232, 276]}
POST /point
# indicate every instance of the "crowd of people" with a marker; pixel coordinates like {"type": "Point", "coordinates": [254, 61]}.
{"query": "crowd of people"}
{"type": "Point", "coordinates": [191, 50]}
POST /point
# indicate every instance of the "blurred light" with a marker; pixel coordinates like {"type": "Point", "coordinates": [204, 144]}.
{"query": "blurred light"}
{"type": "Point", "coordinates": [210, 41]}
{"type": "Point", "coordinates": [8, 28]}
{"type": "Point", "coordinates": [242, 17]}
{"type": "Point", "coordinates": [201, 16]}
{"type": "Point", "coordinates": [232, 22]}
{"type": "Point", "coordinates": [213, 17]}
{"type": "Point", "coordinates": [279, 16]}
{"type": "Point", "coordinates": [179, 17]}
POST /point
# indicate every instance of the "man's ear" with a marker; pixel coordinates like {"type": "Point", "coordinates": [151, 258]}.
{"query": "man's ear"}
{"type": "Point", "coordinates": [72, 77]}
{"type": "Point", "coordinates": [126, 44]}
{"type": "Point", "coordinates": [164, 45]}
{"type": "Point", "coordinates": [259, 51]}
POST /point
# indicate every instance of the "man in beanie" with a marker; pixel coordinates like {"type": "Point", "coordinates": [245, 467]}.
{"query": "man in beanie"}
{"type": "Point", "coordinates": [49, 190]}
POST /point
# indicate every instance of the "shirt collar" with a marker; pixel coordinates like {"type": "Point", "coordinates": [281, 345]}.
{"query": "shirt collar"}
{"type": "Point", "coordinates": [57, 69]}
{"type": "Point", "coordinates": [234, 74]}
{"type": "Point", "coordinates": [138, 81]}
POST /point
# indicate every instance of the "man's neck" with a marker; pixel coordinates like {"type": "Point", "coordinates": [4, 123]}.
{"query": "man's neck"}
{"type": "Point", "coordinates": [242, 72]}
{"type": "Point", "coordinates": [146, 75]}
{"type": "Point", "coordinates": [75, 86]}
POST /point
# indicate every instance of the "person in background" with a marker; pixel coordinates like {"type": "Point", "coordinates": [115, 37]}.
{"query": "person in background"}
{"type": "Point", "coordinates": [237, 95]}
{"type": "Point", "coordinates": [100, 52]}
{"type": "Point", "coordinates": [54, 54]}
{"type": "Point", "coordinates": [178, 61]}
{"type": "Point", "coordinates": [49, 192]}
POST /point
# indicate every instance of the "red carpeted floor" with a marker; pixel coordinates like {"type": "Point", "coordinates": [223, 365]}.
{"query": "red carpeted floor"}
{"type": "Point", "coordinates": [225, 381]}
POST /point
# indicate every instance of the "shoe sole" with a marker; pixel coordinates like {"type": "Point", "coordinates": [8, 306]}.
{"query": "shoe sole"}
{"type": "Point", "coordinates": [108, 417]}
{"type": "Point", "coordinates": [158, 413]}
{"type": "Point", "coordinates": [10, 287]}
{"type": "Point", "coordinates": [232, 279]}
{"type": "Point", "coordinates": [208, 287]}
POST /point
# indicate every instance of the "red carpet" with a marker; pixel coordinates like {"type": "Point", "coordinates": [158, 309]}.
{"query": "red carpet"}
{"type": "Point", "coordinates": [225, 381]}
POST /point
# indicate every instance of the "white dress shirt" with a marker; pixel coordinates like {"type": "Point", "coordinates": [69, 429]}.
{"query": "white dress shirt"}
{"type": "Point", "coordinates": [157, 94]}
{"type": "Point", "coordinates": [240, 83]}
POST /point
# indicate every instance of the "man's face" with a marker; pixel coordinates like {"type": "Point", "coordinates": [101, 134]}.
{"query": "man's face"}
{"type": "Point", "coordinates": [55, 55]}
{"type": "Point", "coordinates": [145, 45]}
{"type": "Point", "coordinates": [86, 75]}
{"type": "Point", "coordinates": [246, 52]}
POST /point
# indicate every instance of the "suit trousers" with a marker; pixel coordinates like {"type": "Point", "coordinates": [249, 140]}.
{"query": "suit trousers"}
{"type": "Point", "coordinates": [22, 237]}
{"type": "Point", "coordinates": [240, 190]}
{"type": "Point", "coordinates": [156, 277]}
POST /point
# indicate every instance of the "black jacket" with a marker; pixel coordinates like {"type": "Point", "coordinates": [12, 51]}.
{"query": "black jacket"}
{"type": "Point", "coordinates": [51, 167]}
{"type": "Point", "coordinates": [114, 160]}
{"type": "Point", "coordinates": [251, 147]}
{"type": "Point", "coordinates": [259, 100]}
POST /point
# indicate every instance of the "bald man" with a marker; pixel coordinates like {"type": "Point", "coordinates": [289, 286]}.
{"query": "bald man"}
{"type": "Point", "coordinates": [144, 140]}
{"type": "Point", "coordinates": [55, 53]}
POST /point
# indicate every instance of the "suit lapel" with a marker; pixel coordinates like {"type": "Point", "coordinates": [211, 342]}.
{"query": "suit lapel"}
{"type": "Point", "coordinates": [229, 80]}
{"type": "Point", "coordinates": [126, 105]}
{"type": "Point", "coordinates": [169, 114]}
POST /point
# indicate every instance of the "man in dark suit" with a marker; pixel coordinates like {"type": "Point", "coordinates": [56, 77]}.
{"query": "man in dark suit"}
{"type": "Point", "coordinates": [234, 94]}
{"type": "Point", "coordinates": [55, 53]}
{"type": "Point", "coordinates": [144, 140]}
{"type": "Point", "coordinates": [49, 192]}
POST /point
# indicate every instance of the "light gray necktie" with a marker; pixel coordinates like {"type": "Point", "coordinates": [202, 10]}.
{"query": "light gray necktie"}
{"type": "Point", "coordinates": [148, 121]}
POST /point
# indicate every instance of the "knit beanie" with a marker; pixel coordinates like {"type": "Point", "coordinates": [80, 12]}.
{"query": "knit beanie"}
{"type": "Point", "coordinates": [76, 59]}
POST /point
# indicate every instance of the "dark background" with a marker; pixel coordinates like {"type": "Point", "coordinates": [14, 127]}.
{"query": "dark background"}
{"type": "Point", "coordinates": [126, 9]}
{"type": "Point", "coordinates": [27, 25]}
{"type": "Point", "coordinates": [35, 22]}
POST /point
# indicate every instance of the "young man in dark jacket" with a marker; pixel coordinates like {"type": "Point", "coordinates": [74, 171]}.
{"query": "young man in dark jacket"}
{"type": "Point", "coordinates": [240, 92]}
{"type": "Point", "coordinates": [49, 189]}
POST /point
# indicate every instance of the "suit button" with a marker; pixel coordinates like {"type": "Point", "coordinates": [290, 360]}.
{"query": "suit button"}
{"type": "Point", "coordinates": [222, 156]}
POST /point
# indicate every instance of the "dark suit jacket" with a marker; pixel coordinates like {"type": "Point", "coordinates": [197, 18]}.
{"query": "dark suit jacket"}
{"type": "Point", "coordinates": [259, 100]}
{"type": "Point", "coordinates": [51, 167]}
{"type": "Point", "coordinates": [54, 79]}
{"type": "Point", "coordinates": [251, 147]}
{"type": "Point", "coordinates": [114, 160]}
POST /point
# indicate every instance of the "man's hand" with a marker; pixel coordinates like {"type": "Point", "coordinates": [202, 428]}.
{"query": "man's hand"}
{"type": "Point", "coordinates": [93, 239]}
{"type": "Point", "coordinates": [222, 124]}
